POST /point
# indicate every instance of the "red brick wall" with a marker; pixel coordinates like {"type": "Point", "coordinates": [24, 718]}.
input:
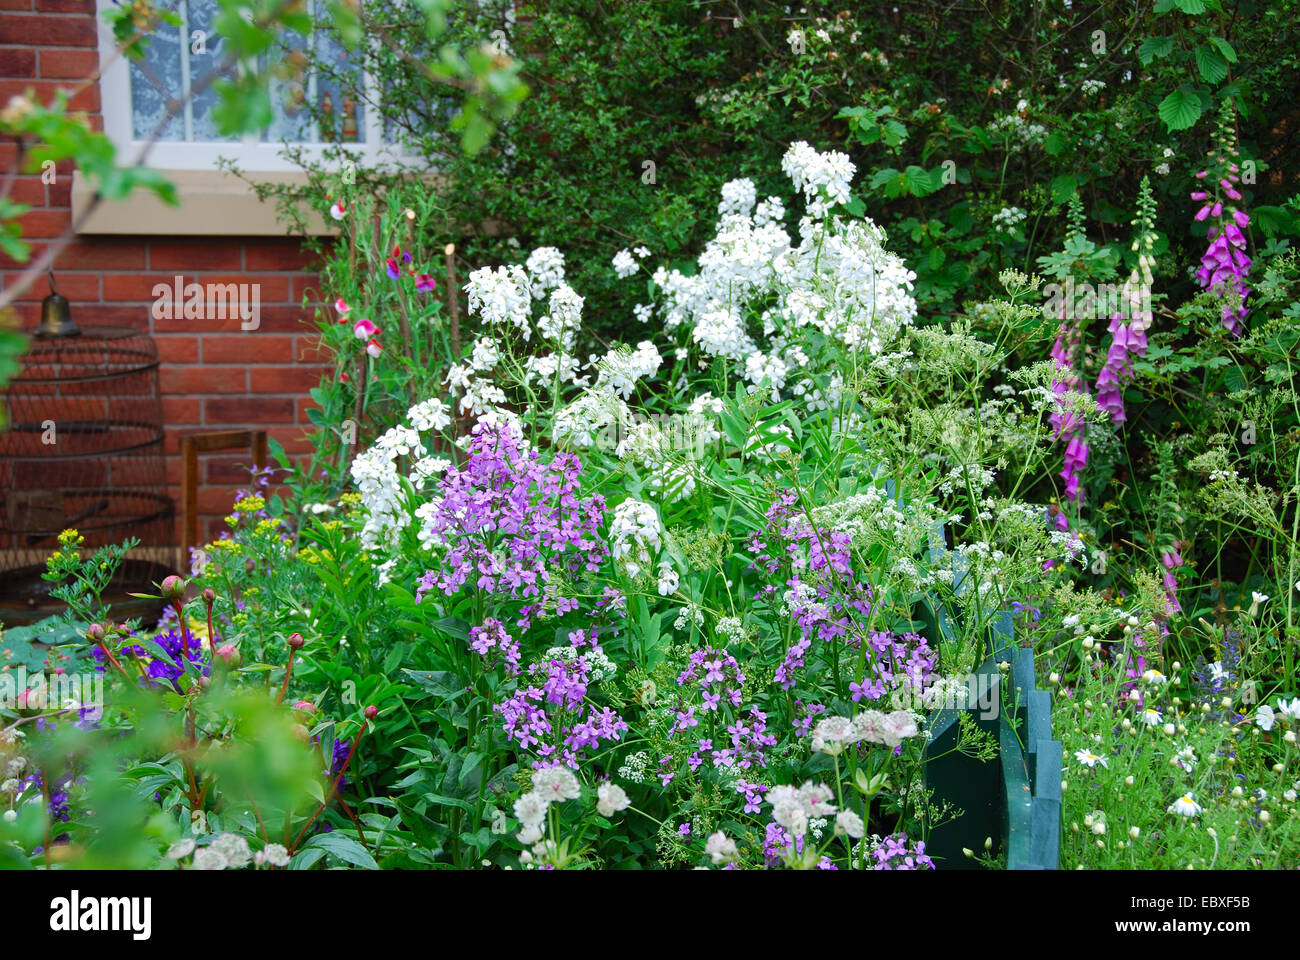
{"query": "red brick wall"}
{"type": "Point", "coordinates": [213, 375]}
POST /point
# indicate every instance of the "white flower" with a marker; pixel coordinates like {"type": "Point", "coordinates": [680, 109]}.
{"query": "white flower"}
{"type": "Point", "coordinates": [668, 579]}
{"type": "Point", "coordinates": [431, 414]}
{"type": "Point", "coordinates": [1264, 718]}
{"type": "Point", "coordinates": [555, 784]}
{"type": "Point", "coordinates": [233, 848]}
{"type": "Point", "coordinates": [1291, 710]}
{"type": "Point", "coordinates": [530, 809]}
{"type": "Point", "coordinates": [1258, 597]}
{"type": "Point", "coordinates": [846, 821]}
{"type": "Point", "coordinates": [208, 858]}
{"type": "Point", "coordinates": [610, 798]}
{"type": "Point", "coordinates": [1185, 806]}
{"type": "Point", "coordinates": [1090, 759]}
{"type": "Point", "coordinates": [720, 848]}
{"type": "Point", "coordinates": [1155, 677]}
{"type": "Point", "coordinates": [181, 848]}
{"type": "Point", "coordinates": [10, 816]}
{"type": "Point", "coordinates": [545, 268]}
{"type": "Point", "coordinates": [530, 834]}
{"type": "Point", "coordinates": [1151, 717]}
{"type": "Point", "coordinates": [273, 853]}
{"type": "Point", "coordinates": [624, 264]}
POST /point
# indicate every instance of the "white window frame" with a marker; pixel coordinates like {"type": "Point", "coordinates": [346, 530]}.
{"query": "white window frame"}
{"type": "Point", "coordinates": [251, 155]}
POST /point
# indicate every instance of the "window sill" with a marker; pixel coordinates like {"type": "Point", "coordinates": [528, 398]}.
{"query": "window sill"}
{"type": "Point", "coordinates": [212, 204]}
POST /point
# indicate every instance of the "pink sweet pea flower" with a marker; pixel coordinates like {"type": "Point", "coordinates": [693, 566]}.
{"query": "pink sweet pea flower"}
{"type": "Point", "coordinates": [373, 347]}
{"type": "Point", "coordinates": [364, 329]}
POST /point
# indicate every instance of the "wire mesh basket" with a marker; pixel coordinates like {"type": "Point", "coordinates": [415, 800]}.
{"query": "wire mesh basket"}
{"type": "Point", "coordinates": [84, 449]}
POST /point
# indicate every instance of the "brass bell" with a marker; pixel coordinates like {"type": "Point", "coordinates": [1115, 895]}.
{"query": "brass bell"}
{"type": "Point", "coordinates": [56, 315]}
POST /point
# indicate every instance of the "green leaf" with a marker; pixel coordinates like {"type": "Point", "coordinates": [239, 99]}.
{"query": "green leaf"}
{"type": "Point", "coordinates": [1064, 187]}
{"type": "Point", "coordinates": [1190, 6]}
{"type": "Point", "coordinates": [1180, 109]}
{"type": "Point", "coordinates": [1153, 48]}
{"type": "Point", "coordinates": [1225, 48]}
{"type": "Point", "coordinates": [1213, 68]}
{"type": "Point", "coordinates": [345, 848]}
{"type": "Point", "coordinates": [920, 182]}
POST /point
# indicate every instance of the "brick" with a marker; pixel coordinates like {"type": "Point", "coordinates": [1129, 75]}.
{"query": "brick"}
{"type": "Point", "coordinates": [29, 190]}
{"type": "Point", "coordinates": [48, 31]}
{"type": "Point", "coordinates": [68, 64]}
{"type": "Point", "coordinates": [189, 381]}
{"type": "Point", "coordinates": [75, 286]}
{"type": "Point", "coordinates": [216, 500]}
{"type": "Point", "coordinates": [178, 349]}
{"type": "Point", "coordinates": [18, 63]}
{"type": "Point", "coordinates": [295, 440]}
{"type": "Point", "coordinates": [252, 347]}
{"type": "Point", "coordinates": [61, 192]}
{"type": "Point", "coordinates": [277, 255]}
{"type": "Point", "coordinates": [45, 223]}
{"type": "Point", "coordinates": [16, 4]}
{"type": "Point", "coordinates": [119, 253]}
{"type": "Point", "coordinates": [307, 286]}
{"type": "Point", "coordinates": [250, 410]}
{"type": "Point", "coordinates": [98, 314]}
{"type": "Point", "coordinates": [140, 286]}
{"type": "Point", "coordinates": [277, 319]}
{"type": "Point", "coordinates": [64, 6]}
{"type": "Point", "coordinates": [297, 379]}
{"type": "Point", "coordinates": [86, 98]}
{"type": "Point", "coordinates": [189, 256]}
{"type": "Point", "coordinates": [137, 287]}
{"type": "Point", "coordinates": [182, 410]}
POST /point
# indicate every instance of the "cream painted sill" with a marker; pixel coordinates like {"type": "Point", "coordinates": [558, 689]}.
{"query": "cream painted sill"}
{"type": "Point", "coordinates": [212, 204]}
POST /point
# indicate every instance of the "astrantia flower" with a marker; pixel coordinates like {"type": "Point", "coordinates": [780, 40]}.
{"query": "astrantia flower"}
{"type": "Point", "coordinates": [206, 858]}
{"type": "Point", "coordinates": [1090, 759]}
{"type": "Point", "coordinates": [720, 848]}
{"type": "Point", "coordinates": [610, 798]}
{"type": "Point", "coordinates": [233, 848]}
{"type": "Point", "coordinates": [274, 854]}
{"type": "Point", "coordinates": [1185, 806]}
{"type": "Point", "coordinates": [846, 821]}
{"type": "Point", "coordinates": [556, 784]}
{"type": "Point", "coordinates": [530, 809]}
{"type": "Point", "coordinates": [181, 848]}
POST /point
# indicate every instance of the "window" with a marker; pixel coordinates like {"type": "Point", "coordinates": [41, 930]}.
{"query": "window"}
{"type": "Point", "coordinates": [136, 97]}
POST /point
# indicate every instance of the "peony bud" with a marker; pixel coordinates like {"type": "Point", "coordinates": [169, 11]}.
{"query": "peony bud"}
{"type": "Point", "coordinates": [230, 654]}
{"type": "Point", "coordinates": [209, 596]}
{"type": "Point", "coordinates": [95, 633]}
{"type": "Point", "coordinates": [296, 641]}
{"type": "Point", "coordinates": [371, 712]}
{"type": "Point", "coordinates": [173, 588]}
